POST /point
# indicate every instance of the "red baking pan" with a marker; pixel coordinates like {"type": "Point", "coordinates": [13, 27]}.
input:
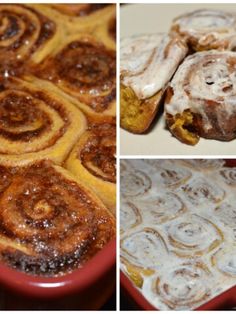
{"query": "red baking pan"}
{"type": "Point", "coordinates": [87, 288]}
{"type": "Point", "coordinates": [226, 300]}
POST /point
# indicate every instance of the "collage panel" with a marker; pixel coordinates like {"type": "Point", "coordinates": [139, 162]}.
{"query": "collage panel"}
{"type": "Point", "coordinates": [177, 234]}
{"type": "Point", "coordinates": [58, 156]}
{"type": "Point", "coordinates": [177, 77]}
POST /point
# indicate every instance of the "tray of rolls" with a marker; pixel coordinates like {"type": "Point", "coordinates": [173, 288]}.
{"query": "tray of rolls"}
{"type": "Point", "coordinates": [57, 150]}
{"type": "Point", "coordinates": [178, 233]}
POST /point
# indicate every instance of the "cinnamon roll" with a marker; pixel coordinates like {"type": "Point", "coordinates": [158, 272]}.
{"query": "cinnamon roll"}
{"type": "Point", "coordinates": [207, 29]}
{"type": "Point", "coordinates": [228, 175]}
{"type": "Point", "coordinates": [160, 207]}
{"type": "Point", "coordinates": [145, 248]}
{"type": "Point", "coordinates": [50, 223]}
{"type": "Point", "coordinates": [147, 64]}
{"type": "Point", "coordinates": [85, 70]}
{"type": "Point", "coordinates": [25, 35]}
{"type": "Point", "coordinates": [200, 99]}
{"type": "Point", "coordinates": [184, 286]}
{"type": "Point", "coordinates": [130, 216]}
{"type": "Point", "coordinates": [193, 235]}
{"type": "Point", "coordinates": [134, 183]}
{"type": "Point", "coordinates": [225, 261]}
{"type": "Point", "coordinates": [35, 123]}
{"type": "Point", "coordinates": [201, 191]}
{"type": "Point", "coordinates": [93, 161]}
{"type": "Point", "coordinates": [203, 164]}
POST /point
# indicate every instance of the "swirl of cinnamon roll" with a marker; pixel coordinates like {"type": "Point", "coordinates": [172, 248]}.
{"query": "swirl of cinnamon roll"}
{"type": "Point", "coordinates": [35, 123]}
{"type": "Point", "coordinates": [144, 248]}
{"type": "Point", "coordinates": [130, 216]}
{"type": "Point", "coordinates": [24, 32]}
{"type": "Point", "coordinates": [193, 235]}
{"type": "Point", "coordinates": [86, 70]}
{"type": "Point", "coordinates": [93, 161]}
{"type": "Point", "coordinates": [225, 261]}
{"type": "Point", "coordinates": [160, 207]}
{"type": "Point", "coordinates": [184, 286]}
{"type": "Point", "coordinates": [134, 183]}
{"type": "Point", "coordinates": [200, 100]}
{"type": "Point", "coordinates": [147, 64]}
{"type": "Point", "coordinates": [50, 223]}
{"type": "Point", "coordinates": [207, 29]}
{"type": "Point", "coordinates": [167, 173]}
{"type": "Point", "coordinates": [204, 164]}
{"type": "Point", "coordinates": [200, 191]}
{"type": "Point", "coordinates": [228, 175]}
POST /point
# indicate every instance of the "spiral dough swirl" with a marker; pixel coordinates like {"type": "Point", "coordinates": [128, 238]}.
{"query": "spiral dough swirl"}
{"type": "Point", "coordinates": [49, 223]}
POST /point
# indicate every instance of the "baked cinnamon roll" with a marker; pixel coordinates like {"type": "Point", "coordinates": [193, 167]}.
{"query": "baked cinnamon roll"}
{"type": "Point", "coordinates": [184, 286]}
{"type": "Point", "coordinates": [130, 216]}
{"type": "Point", "coordinates": [93, 161]}
{"type": "Point", "coordinates": [200, 98]}
{"type": "Point", "coordinates": [147, 64]}
{"type": "Point", "coordinates": [206, 29]}
{"type": "Point", "coordinates": [225, 261]}
{"type": "Point", "coordinates": [193, 235]}
{"type": "Point", "coordinates": [50, 222]}
{"type": "Point", "coordinates": [36, 123]}
{"type": "Point", "coordinates": [142, 252]}
{"type": "Point", "coordinates": [25, 35]}
{"type": "Point", "coordinates": [85, 70]}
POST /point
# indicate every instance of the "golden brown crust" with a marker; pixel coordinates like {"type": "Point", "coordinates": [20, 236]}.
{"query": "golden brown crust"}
{"type": "Point", "coordinates": [137, 115]}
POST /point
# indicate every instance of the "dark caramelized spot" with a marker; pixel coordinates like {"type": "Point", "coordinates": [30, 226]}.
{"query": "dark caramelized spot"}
{"type": "Point", "coordinates": [112, 28]}
{"type": "Point", "coordinates": [99, 153]}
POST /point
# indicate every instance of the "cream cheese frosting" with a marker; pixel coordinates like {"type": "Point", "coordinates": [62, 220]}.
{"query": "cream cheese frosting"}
{"type": "Point", "coordinates": [147, 62]}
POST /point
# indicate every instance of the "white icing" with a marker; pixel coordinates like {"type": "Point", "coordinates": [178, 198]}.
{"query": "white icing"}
{"type": "Point", "coordinates": [204, 75]}
{"type": "Point", "coordinates": [208, 224]}
{"type": "Point", "coordinates": [143, 65]}
{"type": "Point", "coordinates": [208, 26]}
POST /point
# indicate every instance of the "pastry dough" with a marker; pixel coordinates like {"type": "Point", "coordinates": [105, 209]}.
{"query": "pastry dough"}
{"type": "Point", "coordinates": [147, 64]}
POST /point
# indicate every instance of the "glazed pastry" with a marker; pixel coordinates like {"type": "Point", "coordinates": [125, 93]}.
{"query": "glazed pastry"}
{"type": "Point", "coordinates": [142, 252]}
{"type": "Point", "coordinates": [224, 260]}
{"type": "Point", "coordinates": [200, 98]}
{"type": "Point", "coordinates": [93, 161]}
{"type": "Point", "coordinates": [178, 230]}
{"type": "Point", "coordinates": [50, 222]}
{"type": "Point", "coordinates": [206, 29]}
{"type": "Point", "coordinates": [194, 290]}
{"type": "Point", "coordinates": [193, 235]}
{"type": "Point", "coordinates": [147, 65]}
{"type": "Point", "coordinates": [36, 123]}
